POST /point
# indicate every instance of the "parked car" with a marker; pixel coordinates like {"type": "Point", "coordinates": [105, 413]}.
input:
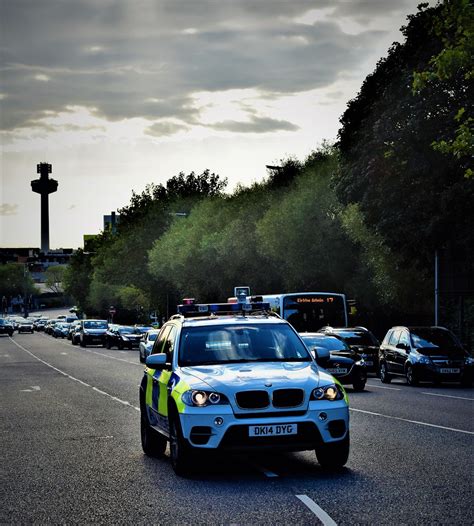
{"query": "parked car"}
{"type": "Point", "coordinates": [146, 345]}
{"type": "Point", "coordinates": [40, 324]}
{"type": "Point", "coordinates": [123, 336]}
{"type": "Point", "coordinates": [72, 327]}
{"type": "Point", "coordinates": [61, 330]}
{"type": "Point", "coordinates": [360, 340]}
{"type": "Point", "coordinates": [91, 332]}
{"type": "Point", "coordinates": [342, 362]}
{"type": "Point", "coordinates": [6, 327]}
{"type": "Point", "coordinates": [424, 354]}
{"type": "Point", "coordinates": [25, 326]}
{"type": "Point", "coordinates": [48, 328]}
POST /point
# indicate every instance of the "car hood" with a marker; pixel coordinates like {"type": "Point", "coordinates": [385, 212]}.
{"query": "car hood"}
{"type": "Point", "coordinates": [248, 376]}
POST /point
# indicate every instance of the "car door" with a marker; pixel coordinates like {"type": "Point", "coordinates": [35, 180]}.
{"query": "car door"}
{"type": "Point", "coordinates": [401, 351]}
{"type": "Point", "coordinates": [390, 351]}
{"type": "Point", "coordinates": [164, 378]}
{"type": "Point", "coordinates": [153, 375]}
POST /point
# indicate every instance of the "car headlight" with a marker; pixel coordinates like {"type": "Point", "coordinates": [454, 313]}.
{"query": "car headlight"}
{"type": "Point", "coordinates": [330, 392]}
{"type": "Point", "coordinates": [469, 360]}
{"type": "Point", "coordinates": [361, 363]}
{"type": "Point", "coordinates": [199, 398]}
{"type": "Point", "coordinates": [424, 359]}
{"type": "Point", "coordinates": [86, 332]}
{"type": "Point", "coordinates": [124, 338]}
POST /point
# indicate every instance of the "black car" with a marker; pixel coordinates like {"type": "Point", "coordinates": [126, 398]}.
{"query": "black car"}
{"type": "Point", "coordinates": [90, 332]}
{"type": "Point", "coordinates": [424, 354]}
{"type": "Point", "coordinates": [360, 340]}
{"type": "Point", "coordinates": [6, 327]}
{"type": "Point", "coordinates": [122, 336]}
{"type": "Point", "coordinates": [342, 362]}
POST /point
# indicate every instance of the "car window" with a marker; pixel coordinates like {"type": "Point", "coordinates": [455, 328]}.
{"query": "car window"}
{"type": "Point", "coordinates": [168, 346]}
{"type": "Point", "coordinates": [404, 338]}
{"type": "Point", "coordinates": [240, 343]}
{"type": "Point", "coordinates": [158, 345]}
{"type": "Point", "coordinates": [330, 343]}
{"type": "Point", "coordinates": [394, 337]}
{"type": "Point", "coordinates": [152, 337]}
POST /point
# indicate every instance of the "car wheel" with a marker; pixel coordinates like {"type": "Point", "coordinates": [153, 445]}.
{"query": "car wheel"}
{"type": "Point", "coordinates": [82, 343]}
{"type": "Point", "coordinates": [412, 379]}
{"type": "Point", "coordinates": [142, 358]}
{"type": "Point", "coordinates": [334, 455]}
{"type": "Point", "coordinates": [73, 341]}
{"type": "Point", "coordinates": [385, 378]}
{"type": "Point", "coordinates": [180, 452]}
{"type": "Point", "coordinates": [120, 346]}
{"type": "Point", "coordinates": [108, 345]}
{"type": "Point", "coordinates": [359, 382]}
{"type": "Point", "coordinates": [153, 444]}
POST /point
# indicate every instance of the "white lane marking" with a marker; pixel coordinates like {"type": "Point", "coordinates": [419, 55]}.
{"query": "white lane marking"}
{"type": "Point", "coordinates": [449, 396]}
{"type": "Point", "coordinates": [85, 384]}
{"type": "Point", "coordinates": [412, 421]}
{"type": "Point", "coordinates": [81, 349]}
{"type": "Point", "coordinates": [318, 511]}
{"type": "Point", "coordinates": [384, 387]}
{"type": "Point", "coordinates": [33, 388]}
{"type": "Point", "coordinates": [63, 353]}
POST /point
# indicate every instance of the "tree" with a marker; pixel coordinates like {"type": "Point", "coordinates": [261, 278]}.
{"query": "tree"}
{"type": "Point", "coordinates": [54, 278]}
{"type": "Point", "coordinates": [15, 280]}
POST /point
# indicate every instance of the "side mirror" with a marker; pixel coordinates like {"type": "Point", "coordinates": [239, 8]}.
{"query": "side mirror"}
{"type": "Point", "coordinates": [156, 361]}
{"type": "Point", "coordinates": [321, 355]}
{"type": "Point", "coordinates": [403, 346]}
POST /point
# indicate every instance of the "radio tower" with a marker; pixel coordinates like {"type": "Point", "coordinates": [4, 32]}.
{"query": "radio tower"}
{"type": "Point", "coordinates": [44, 186]}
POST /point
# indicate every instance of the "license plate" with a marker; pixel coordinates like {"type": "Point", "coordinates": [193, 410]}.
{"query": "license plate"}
{"type": "Point", "coordinates": [337, 371]}
{"type": "Point", "coordinates": [450, 371]}
{"type": "Point", "coordinates": [273, 430]}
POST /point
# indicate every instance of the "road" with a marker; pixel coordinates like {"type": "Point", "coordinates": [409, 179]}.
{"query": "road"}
{"type": "Point", "coordinates": [71, 453]}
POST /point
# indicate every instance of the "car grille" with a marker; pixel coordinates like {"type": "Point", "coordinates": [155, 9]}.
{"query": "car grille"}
{"type": "Point", "coordinates": [252, 399]}
{"type": "Point", "coordinates": [287, 397]}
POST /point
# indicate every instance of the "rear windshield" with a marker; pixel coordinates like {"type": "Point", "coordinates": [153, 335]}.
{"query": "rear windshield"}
{"type": "Point", "coordinates": [240, 343]}
{"type": "Point", "coordinates": [358, 338]}
{"type": "Point", "coordinates": [95, 324]}
{"type": "Point", "coordinates": [329, 342]}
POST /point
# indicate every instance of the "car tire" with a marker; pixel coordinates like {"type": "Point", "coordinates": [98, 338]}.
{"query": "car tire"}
{"type": "Point", "coordinates": [119, 346]}
{"type": "Point", "coordinates": [73, 341]}
{"type": "Point", "coordinates": [385, 378]}
{"type": "Point", "coordinates": [359, 382]}
{"type": "Point", "coordinates": [334, 455]}
{"type": "Point", "coordinates": [82, 343]}
{"type": "Point", "coordinates": [180, 451]}
{"type": "Point", "coordinates": [153, 444]}
{"type": "Point", "coordinates": [107, 344]}
{"type": "Point", "coordinates": [412, 378]}
{"type": "Point", "coordinates": [142, 359]}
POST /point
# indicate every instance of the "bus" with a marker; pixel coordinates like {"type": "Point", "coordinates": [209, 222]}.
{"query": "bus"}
{"type": "Point", "coordinates": [309, 311]}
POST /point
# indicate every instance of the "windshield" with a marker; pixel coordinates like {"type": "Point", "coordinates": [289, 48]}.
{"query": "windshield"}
{"type": "Point", "coordinates": [310, 312]}
{"type": "Point", "coordinates": [128, 330]}
{"type": "Point", "coordinates": [240, 343]}
{"type": "Point", "coordinates": [96, 324]}
{"type": "Point", "coordinates": [357, 338]}
{"type": "Point", "coordinates": [330, 343]}
{"type": "Point", "coordinates": [433, 338]}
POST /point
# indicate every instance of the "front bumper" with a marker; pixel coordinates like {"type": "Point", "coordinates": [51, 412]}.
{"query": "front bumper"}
{"type": "Point", "coordinates": [432, 373]}
{"type": "Point", "coordinates": [199, 428]}
{"type": "Point", "coordinates": [94, 339]}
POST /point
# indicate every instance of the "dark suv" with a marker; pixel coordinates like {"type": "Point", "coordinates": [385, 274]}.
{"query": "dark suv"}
{"type": "Point", "coordinates": [424, 353]}
{"type": "Point", "coordinates": [361, 341]}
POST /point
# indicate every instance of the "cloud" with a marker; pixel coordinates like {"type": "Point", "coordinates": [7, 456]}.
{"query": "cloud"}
{"type": "Point", "coordinates": [122, 62]}
{"type": "Point", "coordinates": [8, 209]}
{"type": "Point", "coordinates": [254, 125]}
{"type": "Point", "coordinates": [162, 129]}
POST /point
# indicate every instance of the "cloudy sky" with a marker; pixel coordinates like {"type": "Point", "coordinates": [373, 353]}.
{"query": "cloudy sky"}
{"type": "Point", "coordinates": [116, 94]}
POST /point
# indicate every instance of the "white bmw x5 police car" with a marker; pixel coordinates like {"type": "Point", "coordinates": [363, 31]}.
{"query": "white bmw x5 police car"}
{"type": "Point", "coordinates": [238, 377]}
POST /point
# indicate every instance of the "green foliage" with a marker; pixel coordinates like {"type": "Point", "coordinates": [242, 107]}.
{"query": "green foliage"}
{"type": "Point", "coordinates": [15, 281]}
{"type": "Point", "coordinates": [54, 277]}
{"type": "Point", "coordinates": [453, 66]}
{"type": "Point", "coordinates": [77, 277]}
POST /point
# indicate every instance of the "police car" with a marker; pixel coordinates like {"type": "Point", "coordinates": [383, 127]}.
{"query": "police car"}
{"type": "Point", "coordinates": [237, 377]}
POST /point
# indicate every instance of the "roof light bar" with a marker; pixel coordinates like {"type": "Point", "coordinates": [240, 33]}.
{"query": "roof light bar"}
{"type": "Point", "coordinates": [203, 309]}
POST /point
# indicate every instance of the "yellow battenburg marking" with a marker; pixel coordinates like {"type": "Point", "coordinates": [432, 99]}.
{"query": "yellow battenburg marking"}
{"type": "Point", "coordinates": [163, 394]}
{"type": "Point", "coordinates": [149, 386]}
{"type": "Point", "coordinates": [346, 398]}
{"type": "Point", "coordinates": [180, 388]}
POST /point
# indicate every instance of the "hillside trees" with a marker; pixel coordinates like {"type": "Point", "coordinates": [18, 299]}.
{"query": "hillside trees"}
{"type": "Point", "coordinates": [411, 195]}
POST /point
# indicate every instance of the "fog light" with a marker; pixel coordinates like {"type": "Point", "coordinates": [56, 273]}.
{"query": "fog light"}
{"type": "Point", "coordinates": [323, 417]}
{"type": "Point", "coordinates": [218, 421]}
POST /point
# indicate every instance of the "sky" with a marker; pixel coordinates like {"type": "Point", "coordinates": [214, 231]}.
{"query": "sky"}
{"type": "Point", "coordinates": [117, 94]}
